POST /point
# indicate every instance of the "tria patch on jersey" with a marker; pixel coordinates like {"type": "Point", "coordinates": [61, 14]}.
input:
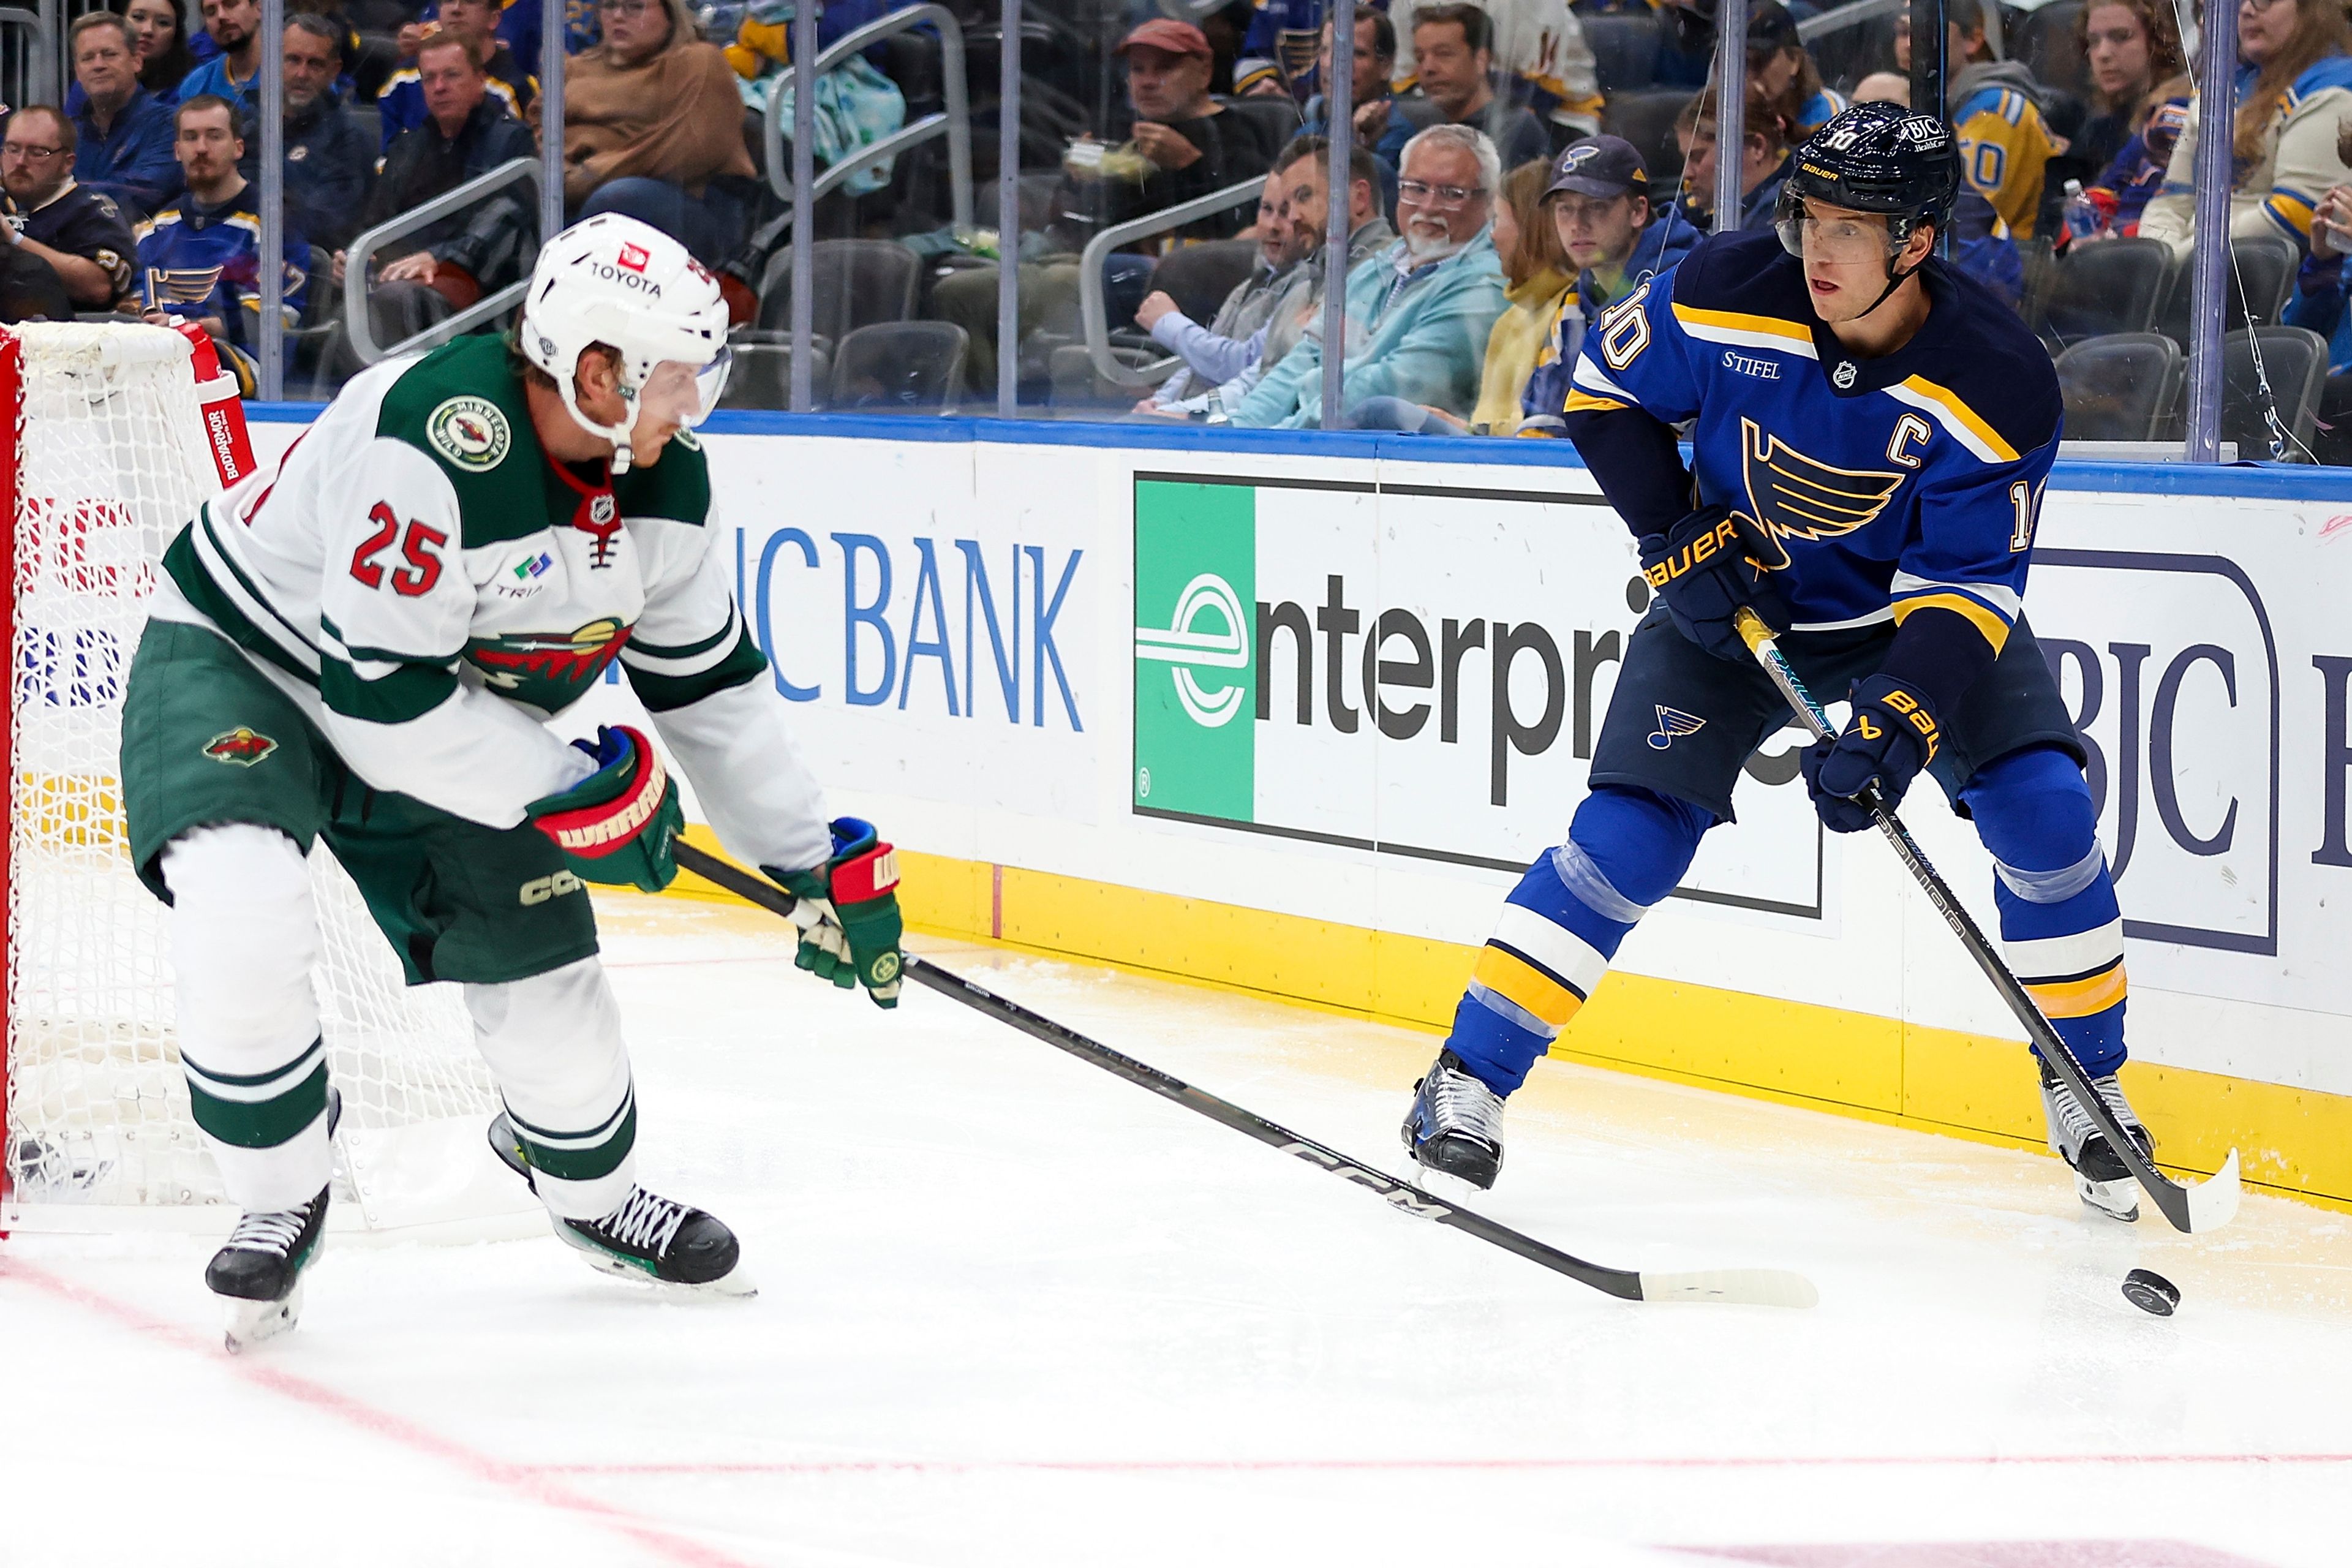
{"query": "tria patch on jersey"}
{"type": "Point", "coordinates": [471, 432]}
{"type": "Point", "coordinates": [239, 747]}
{"type": "Point", "coordinates": [1798, 497]}
{"type": "Point", "coordinates": [547, 670]}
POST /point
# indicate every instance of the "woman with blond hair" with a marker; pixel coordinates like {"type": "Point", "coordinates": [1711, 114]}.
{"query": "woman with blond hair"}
{"type": "Point", "coordinates": [2294, 82]}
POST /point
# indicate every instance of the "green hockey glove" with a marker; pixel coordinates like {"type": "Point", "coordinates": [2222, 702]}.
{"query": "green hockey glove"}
{"type": "Point", "coordinates": [849, 920]}
{"type": "Point", "coordinates": [616, 825]}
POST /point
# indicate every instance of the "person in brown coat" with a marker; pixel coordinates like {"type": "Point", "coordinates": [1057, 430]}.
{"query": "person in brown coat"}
{"type": "Point", "coordinates": [653, 126]}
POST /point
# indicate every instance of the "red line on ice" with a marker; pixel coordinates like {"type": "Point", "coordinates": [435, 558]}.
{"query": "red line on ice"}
{"type": "Point", "coordinates": [1120, 1467]}
{"type": "Point", "coordinates": [531, 1481]}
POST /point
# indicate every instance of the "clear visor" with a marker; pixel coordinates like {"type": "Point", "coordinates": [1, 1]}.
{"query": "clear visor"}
{"type": "Point", "coordinates": [710, 384]}
{"type": "Point", "coordinates": [1835, 239]}
{"type": "Point", "coordinates": [682, 391]}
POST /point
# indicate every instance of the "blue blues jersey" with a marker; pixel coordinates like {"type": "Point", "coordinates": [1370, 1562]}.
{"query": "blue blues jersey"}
{"type": "Point", "coordinates": [1886, 486]}
{"type": "Point", "coordinates": [195, 261]}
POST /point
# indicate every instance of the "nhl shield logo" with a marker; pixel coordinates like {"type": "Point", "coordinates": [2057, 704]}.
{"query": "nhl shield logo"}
{"type": "Point", "coordinates": [239, 747]}
{"type": "Point", "coordinates": [470, 431]}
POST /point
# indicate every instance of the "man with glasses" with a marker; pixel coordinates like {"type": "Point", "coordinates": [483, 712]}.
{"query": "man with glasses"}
{"type": "Point", "coordinates": [81, 235]}
{"type": "Point", "coordinates": [122, 135]}
{"type": "Point", "coordinates": [1871, 432]}
{"type": "Point", "coordinates": [1420, 312]}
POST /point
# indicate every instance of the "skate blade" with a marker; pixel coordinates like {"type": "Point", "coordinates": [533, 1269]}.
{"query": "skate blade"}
{"type": "Point", "coordinates": [1441, 1183]}
{"type": "Point", "coordinates": [2116, 1200]}
{"type": "Point", "coordinates": [733, 1285]}
{"type": "Point", "coordinates": [253, 1323]}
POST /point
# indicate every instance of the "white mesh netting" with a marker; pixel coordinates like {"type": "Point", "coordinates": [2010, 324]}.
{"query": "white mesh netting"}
{"type": "Point", "coordinates": [112, 463]}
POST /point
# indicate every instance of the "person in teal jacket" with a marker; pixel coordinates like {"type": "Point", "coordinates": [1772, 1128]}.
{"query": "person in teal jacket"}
{"type": "Point", "coordinates": [1417, 313]}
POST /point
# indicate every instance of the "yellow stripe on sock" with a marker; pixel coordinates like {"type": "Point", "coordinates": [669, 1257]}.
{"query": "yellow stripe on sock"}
{"type": "Point", "coordinates": [1514, 978]}
{"type": "Point", "coordinates": [2080, 999]}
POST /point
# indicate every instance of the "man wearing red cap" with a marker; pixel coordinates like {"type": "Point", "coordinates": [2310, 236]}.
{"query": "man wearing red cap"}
{"type": "Point", "coordinates": [1181, 145]}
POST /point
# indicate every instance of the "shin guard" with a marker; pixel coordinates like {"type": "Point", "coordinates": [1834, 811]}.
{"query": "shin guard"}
{"type": "Point", "coordinates": [1562, 924]}
{"type": "Point", "coordinates": [553, 1041]}
{"type": "Point", "coordinates": [2062, 930]}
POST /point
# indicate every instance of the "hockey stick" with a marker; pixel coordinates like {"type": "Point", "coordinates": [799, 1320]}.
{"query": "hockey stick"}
{"type": "Point", "coordinates": [1749, 1287]}
{"type": "Point", "coordinates": [2207, 1206]}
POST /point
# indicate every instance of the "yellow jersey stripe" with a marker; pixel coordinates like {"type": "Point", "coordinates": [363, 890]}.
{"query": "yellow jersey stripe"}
{"type": "Point", "coordinates": [1520, 982]}
{"type": "Point", "coordinates": [1583, 401]}
{"type": "Point", "coordinates": [1994, 629]}
{"type": "Point", "coordinates": [1945, 407]}
{"type": "Point", "coordinates": [2080, 999]}
{"type": "Point", "coordinates": [1692, 316]}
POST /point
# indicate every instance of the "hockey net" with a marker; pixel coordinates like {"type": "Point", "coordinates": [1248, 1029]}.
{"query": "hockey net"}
{"type": "Point", "coordinates": [108, 460]}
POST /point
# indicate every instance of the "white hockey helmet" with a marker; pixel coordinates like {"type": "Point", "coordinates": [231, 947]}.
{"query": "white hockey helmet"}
{"type": "Point", "coordinates": [612, 279]}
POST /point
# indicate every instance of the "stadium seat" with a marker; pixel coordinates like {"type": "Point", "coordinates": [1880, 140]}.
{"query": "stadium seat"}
{"type": "Point", "coordinates": [762, 377]}
{"type": "Point", "coordinates": [858, 283]}
{"type": "Point", "coordinates": [1624, 46]}
{"type": "Point", "coordinates": [2294, 360]}
{"type": "Point", "coordinates": [1199, 277]}
{"type": "Point", "coordinates": [2113, 286]}
{"type": "Point", "coordinates": [2331, 436]}
{"type": "Point", "coordinates": [2266, 267]}
{"type": "Point", "coordinates": [2119, 388]}
{"type": "Point", "coordinates": [1278, 115]}
{"type": "Point", "coordinates": [1647, 119]}
{"type": "Point", "coordinates": [900, 367]}
{"type": "Point", "coordinates": [2046, 42]}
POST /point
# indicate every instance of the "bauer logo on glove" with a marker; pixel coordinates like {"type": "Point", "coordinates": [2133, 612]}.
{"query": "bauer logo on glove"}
{"type": "Point", "coordinates": [848, 913]}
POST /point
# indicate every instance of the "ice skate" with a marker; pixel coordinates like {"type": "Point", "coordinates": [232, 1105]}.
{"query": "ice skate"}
{"type": "Point", "coordinates": [2101, 1178]}
{"type": "Point", "coordinates": [652, 1238]}
{"type": "Point", "coordinates": [260, 1272]}
{"type": "Point", "coordinates": [1456, 1126]}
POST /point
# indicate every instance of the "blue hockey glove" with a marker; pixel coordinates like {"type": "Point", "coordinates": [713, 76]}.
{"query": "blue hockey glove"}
{"type": "Point", "coordinates": [1890, 738]}
{"type": "Point", "coordinates": [1705, 569]}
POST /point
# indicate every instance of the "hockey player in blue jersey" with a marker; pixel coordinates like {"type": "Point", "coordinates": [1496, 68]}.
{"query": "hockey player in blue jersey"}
{"type": "Point", "coordinates": [1872, 434]}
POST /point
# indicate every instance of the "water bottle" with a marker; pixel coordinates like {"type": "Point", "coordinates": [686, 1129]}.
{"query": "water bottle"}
{"type": "Point", "coordinates": [2082, 213]}
{"type": "Point", "coordinates": [1217, 414]}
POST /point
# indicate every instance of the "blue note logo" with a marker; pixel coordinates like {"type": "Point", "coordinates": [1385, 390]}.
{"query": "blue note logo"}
{"type": "Point", "coordinates": [1673, 723]}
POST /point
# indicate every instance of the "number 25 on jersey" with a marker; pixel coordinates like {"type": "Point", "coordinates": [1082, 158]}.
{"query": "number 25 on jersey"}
{"type": "Point", "coordinates": [418, 547]}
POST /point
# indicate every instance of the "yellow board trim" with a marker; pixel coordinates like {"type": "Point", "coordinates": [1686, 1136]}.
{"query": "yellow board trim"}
{"type": "Point", "coordinates": [1516, 980]}
{"type": "Point", "coordinates": [1741, 322]}
{"type": "Point", "coordinates": [1994, 629]}
{"type": "Point", "coordinates": [2295, 1143]}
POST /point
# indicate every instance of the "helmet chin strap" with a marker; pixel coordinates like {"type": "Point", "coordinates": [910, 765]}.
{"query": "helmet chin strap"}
{"type": "Point", "coordinates": [1895, 279]}
{"type": "Point", "coordinates": [618, 435]}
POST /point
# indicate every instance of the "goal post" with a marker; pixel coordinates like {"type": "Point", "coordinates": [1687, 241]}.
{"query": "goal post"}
{"type": "Point", "coordinates": [107, 452]}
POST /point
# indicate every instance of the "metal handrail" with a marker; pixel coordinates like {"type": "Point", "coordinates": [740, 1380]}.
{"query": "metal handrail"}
{"type": "Point", "coordinates": [34, 56]}
{"type": "Point", "coordinates": [360, 327]}
{"type": "Point", "coordinates": [1848, 16]}
{"type": "Point", "coordinates": [955, 124]}
{"type": "Point", "coordinates": [1093, 313]}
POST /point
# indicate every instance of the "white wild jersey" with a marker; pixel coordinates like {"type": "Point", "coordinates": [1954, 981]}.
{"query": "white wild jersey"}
{"type": "Point", "coordinates": [429, 586]}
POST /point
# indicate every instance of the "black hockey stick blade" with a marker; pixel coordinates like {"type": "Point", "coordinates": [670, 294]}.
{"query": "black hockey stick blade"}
{"type": "Point", "coordinates": [2205, 1205]}
{"type": "Point", "coordinates": [1746, 1287]}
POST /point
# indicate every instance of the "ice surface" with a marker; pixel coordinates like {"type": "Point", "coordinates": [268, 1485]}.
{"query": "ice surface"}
{"type": "Point", "coordinates": [1014, 1311]}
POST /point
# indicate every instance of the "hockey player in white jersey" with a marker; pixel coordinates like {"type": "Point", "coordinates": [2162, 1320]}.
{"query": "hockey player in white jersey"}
{"type": "Point", "coordinates": [360, 642]}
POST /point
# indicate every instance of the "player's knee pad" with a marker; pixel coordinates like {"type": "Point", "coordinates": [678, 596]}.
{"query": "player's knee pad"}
{"type": "Point", "coordinates": [245, 937]}
{"type": "Point", "coordinates": [1562, 925]}
{"type": "Point", "coordinates": [553, 1042]}
{"type": "Point", "coordinates": [2033, 812]}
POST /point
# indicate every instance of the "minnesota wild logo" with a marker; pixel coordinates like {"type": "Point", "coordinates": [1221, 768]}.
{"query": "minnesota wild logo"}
{"type": "Point", "coordinates": [547, 670]}
{"type": "Point", "coordinates": [239, 747]}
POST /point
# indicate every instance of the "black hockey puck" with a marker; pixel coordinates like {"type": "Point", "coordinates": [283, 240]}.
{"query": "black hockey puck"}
{"type": "Point", "coordinates": [2151, 1292]}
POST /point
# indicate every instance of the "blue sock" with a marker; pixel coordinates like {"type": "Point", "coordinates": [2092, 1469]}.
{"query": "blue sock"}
{"type": "Point", "coordinates": [2060, 928]}
{"type": "Point", "coordinates": [1562, 925]}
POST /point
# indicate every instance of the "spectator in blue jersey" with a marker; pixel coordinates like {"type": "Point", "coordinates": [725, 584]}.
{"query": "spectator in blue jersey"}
{"type": "Point", "coordinates": [1996, 109]}
{"type": "Point", "coordinates": [1764, 160]}
{"type": "Point", "coordinates": [1454, 52]}
{"type": "Point", "coordinates": [122, 135]}
{"type": "Point", "coordinates": [200, 257]}
{"type": "Point", "coordinates": [328, 159]}
{"type": "Point", "coordinates": [1278, 51]}
{"type": "Point", "coordinates": [78, 234]}
{"type": "Point", "coordinates": [1419, 313]}
{"type": "Point", "coordinates": [231, 75]}
{"type": "Point", "coordinates": [1778, 62]}
{"type": "Point", "coordinates": [1616, 232]}
{"type": "Point", "coordinates": [401, 105]}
